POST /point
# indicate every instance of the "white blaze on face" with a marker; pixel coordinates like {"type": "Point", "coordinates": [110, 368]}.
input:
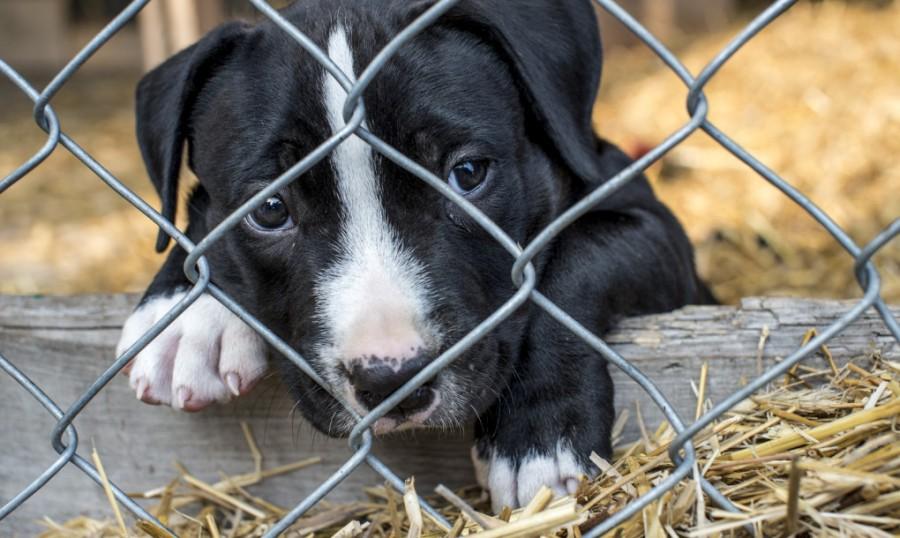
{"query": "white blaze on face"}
{"type": "Point", "coordinates": [374, 300]}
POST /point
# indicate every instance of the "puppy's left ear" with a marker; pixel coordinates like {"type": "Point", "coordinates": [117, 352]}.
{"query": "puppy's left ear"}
{"type": "Point", "coordinates": [164, 99]}
{"type": "Point", "coordinates": [554, 49]}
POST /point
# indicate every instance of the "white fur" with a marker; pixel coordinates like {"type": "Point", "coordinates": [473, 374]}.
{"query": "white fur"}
{"type": "Point", "coordinates": [374, 301]}
{"type": "Point", "coordinates": [515, 487]}
{"type": "Point", "coordinates": [206, 355]}
{"type": "Point", "coordinates": [502, 483]}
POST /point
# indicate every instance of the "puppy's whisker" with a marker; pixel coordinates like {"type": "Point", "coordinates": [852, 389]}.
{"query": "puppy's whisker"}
{"type": "Point", "coordinates": [477, 416]}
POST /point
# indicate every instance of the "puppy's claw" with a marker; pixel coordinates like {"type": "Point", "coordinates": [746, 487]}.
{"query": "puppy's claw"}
{"type": "Point", "coordinates": [142, 391]}
{"type": "Point", "coordinates": [182, 397]}
{"type": "Point", "coordinates": [140, 386]}
{"type": "Point", "coordinates": [188, 400]}
{"type": "Point", "coordinates": [234, 383]}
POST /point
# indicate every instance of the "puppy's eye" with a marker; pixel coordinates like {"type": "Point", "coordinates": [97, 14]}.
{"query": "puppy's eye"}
{"type": "Point", "coordinates": [467, 176]}
{"type": "Point", "coordinates": [272, 216]}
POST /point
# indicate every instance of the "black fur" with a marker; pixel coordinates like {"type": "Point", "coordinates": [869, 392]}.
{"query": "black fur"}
{"type": "Point", "coordinates": [513, 82]}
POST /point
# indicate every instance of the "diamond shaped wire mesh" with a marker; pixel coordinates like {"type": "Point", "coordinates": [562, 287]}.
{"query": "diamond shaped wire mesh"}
{"type": "Point", "coordinates": [64, 437]}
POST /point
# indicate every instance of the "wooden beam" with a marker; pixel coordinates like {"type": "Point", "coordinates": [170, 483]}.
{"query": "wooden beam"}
{"type": "Point", "coordinates": [152, 28]}
{"type": "Point", "coordinates": [183, 23]}
{"type": "Point", "coordinates": [64, 343]}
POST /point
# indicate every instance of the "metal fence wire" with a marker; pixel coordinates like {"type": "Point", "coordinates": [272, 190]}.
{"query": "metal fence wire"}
{"type": "Point", "coordinates": [64, 437]}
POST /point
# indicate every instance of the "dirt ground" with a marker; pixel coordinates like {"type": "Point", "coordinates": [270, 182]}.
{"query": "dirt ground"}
{"type": "Point", "coordinates": [816, 97]}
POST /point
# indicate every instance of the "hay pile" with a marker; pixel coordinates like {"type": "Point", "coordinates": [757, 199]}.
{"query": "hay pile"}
{"type": "Point", "coordinates": [817, 454]}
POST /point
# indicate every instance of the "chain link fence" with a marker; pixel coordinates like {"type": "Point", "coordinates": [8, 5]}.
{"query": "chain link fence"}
{"type": "Point", "coordinates": [64, 437]}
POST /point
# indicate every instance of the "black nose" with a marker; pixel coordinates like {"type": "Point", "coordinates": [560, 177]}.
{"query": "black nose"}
{"type": "Point", "coordinates": [375, 380]}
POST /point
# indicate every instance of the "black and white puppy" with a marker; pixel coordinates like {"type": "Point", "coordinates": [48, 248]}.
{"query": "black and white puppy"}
{"type": "Point", "coordinates": [367, 271]}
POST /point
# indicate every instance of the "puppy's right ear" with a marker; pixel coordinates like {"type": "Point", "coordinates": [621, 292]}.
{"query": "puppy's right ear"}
{"type": "Point", "coordinates": [165, 97]}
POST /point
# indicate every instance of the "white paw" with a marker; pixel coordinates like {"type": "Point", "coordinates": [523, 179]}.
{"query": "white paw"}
{"type": "Point", "coordinates": [514, 485]}
{"type": "Point", "coordinates": [206, 355]}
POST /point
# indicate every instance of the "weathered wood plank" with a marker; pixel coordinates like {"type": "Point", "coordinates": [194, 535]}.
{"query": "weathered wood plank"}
{"type": "Point", "coordinates": [64, 343]}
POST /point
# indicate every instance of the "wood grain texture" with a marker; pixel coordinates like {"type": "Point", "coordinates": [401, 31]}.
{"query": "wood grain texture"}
{"type": "Point", "coordinates": [64, 343]}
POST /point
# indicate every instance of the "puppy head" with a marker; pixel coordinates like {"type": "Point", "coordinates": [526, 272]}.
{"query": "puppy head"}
{"type": "Point", "coordinates": [363, 268]}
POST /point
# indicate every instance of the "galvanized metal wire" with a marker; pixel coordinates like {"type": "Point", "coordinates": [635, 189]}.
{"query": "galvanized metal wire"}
{"type": "Point", "coordinates": [64, 437]}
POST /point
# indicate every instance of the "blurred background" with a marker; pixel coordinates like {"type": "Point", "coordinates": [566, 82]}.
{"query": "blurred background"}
{"type": "Point", "coordinates": [816, 96]}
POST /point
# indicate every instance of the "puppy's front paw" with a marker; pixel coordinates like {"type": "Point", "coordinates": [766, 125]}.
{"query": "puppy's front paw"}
{"type": "Point", "coordinates": [206, 355]}
{"type": "Point", "coordinates": [514, 480]}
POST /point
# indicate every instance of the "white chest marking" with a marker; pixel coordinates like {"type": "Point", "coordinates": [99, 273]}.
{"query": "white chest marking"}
{"type": "Point", "coordinates": [374, 300]}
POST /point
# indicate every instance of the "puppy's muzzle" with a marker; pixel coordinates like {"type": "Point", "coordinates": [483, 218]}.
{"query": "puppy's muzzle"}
{"type": "Point", "coordinates": [375, 379]}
